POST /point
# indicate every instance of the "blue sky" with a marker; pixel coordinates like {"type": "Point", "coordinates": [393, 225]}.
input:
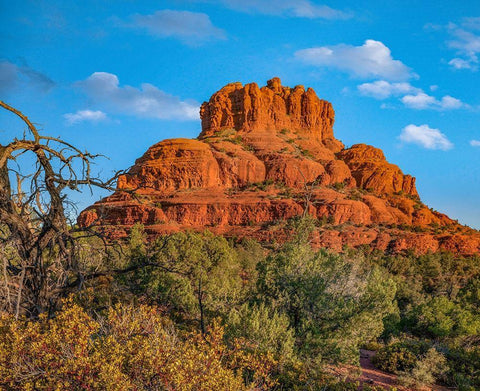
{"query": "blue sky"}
{"type": "Point", "coordinates": [115, 77]}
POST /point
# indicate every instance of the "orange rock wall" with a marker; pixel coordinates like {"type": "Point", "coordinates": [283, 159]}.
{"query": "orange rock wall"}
{"type": "Point", "coordinates": [263, 156]}
{"type": "Point", "coordinates": [271, 108]}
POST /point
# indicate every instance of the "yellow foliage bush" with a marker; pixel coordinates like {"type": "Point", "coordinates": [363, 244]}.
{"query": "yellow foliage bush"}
{"type": "Point", "coordinates": [131, 348]}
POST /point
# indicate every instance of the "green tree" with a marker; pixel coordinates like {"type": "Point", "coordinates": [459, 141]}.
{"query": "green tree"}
{"type": "Point", "coordinates": [335, 303]}
{"type": "Point", "coordinates": [441, 317]}
{"type": "Point", "coordinates": [427, 369]}
{"type": "Point", "coordinates": [264, 328]}
{"type": "Point", "coordinates": [195, 275]}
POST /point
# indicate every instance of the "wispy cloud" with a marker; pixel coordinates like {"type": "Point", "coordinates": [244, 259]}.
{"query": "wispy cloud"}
{"type": "Point", "coordinates": [191, 28]}
{"type": "Point", "coordinates": [85, 115]}
{"type": "Point", "coordinates": [475, 143]}
{"type": "Point", "coordinates": [422, 101]}
{"type": "Point", "coordinates": [425, 137]}
{"type": "Point", "coordinates": [412, 97]}
{"type": "Point", "coordinates": [371, 60]}
{"type": "Point", "coordinates": [13, 76]}
{"type": "Point", "coordinates": [472, 23]}
{"type": "Point", "coordinates": [460, 63]}
{"type": "Point", "coordinates": [147, 101]}
{"type": "Point", "coordinates": [293, 8]}
{"type": "Point", "coordinates": [382, 89]}
{"type": "Point", "coordinates": [464, 40]}
{"type": "Point", "coordinates": [8, 76]}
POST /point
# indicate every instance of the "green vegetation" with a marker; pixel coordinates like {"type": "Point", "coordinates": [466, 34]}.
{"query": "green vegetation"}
{"type": "Point", "coordinates": [338, 186]}
{"type": "Point", "coordinates": [438, 299]}
{"type": "Point", "coordinates": [262, 185]}
{"type": "Point", "coordinates": [257, 317]}
{"type": "Point", "coordinates": [307, 153]}
{"type": "Point", "coordinates": [196, 311]}
{"type": "Point", "coordinates": [355, 194]}
{"type": "Point", "coordinates": [326, 297]}
{"type": "Point", "coordinates": [224, 133]}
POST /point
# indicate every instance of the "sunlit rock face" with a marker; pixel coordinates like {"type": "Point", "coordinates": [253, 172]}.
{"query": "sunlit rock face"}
{"type": "Point", "coordinates": [267, 154]}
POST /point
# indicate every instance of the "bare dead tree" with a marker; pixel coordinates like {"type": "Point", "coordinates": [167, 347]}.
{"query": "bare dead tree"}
{"type": "Point", "coordinates": [308, 192]}
{"type": "Point", "coordinates": [39, 246]}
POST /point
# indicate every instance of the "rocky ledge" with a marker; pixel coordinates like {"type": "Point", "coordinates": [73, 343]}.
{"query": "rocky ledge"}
{"type": "Point", "coordinates": [266, 155]}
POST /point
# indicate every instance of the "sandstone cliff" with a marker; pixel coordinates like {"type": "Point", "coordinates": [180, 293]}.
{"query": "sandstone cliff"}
{"type": "Point", "coordinates": [263, 156]}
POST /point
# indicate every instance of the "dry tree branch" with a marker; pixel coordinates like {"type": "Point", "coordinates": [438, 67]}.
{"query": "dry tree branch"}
{"type": "Point", "coordinates": [35, 223]}
{"type": "Point", "coordinates": [309, 188]}
{"type": "Point", "coordinates": [47, 247]}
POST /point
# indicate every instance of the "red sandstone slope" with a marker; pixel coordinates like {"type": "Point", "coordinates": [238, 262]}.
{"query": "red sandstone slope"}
{"type": "Point", "coordinates": [263, 156]}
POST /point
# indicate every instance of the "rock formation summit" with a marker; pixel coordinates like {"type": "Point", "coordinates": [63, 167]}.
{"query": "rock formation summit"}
{"type": "Point", "coordinates": [266, 155]}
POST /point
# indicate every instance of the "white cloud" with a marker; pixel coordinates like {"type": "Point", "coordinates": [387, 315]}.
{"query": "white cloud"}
{"type": "Point", "coordinates": [413, 97]}
{"type": "Point", "coordinates": [147, 101]}
{"type": "Point", "coordinates": [425, 137]}
{"type": "Point", "coordinates": [463, 40]}
{"type": "Point", "coordinates": [475, 143]}
{"type": "Point", "coordinates": [371, 60]}
{"type": "Point", "coordinates": [460, 63]}
{"type": "Point", "coordinates": [449, 102]}
{"type": "Point", "coordinates": [422, 101]}
{"type": "Point", "coordinates": [14, 76]}
{"type": "Point", "coordinates": [85, 115]}
{"type": "Point", "coordinates": [382, 89]}
{"type": "Point", "coordinates": [466, 43]}
{"type": "Point", "coordinates": [419, 101]}
{"type": "Point", "coordinates": [295, 8]}
{"type": "Point", "coordinates": [192, 28]}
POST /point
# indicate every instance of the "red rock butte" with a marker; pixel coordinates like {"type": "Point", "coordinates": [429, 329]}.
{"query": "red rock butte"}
{"type": "Point", "coordinates": [266, 155]}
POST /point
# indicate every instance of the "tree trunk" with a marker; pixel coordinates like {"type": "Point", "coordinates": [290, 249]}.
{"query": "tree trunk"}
{"type": "Point", "coordinates": [200, 305]}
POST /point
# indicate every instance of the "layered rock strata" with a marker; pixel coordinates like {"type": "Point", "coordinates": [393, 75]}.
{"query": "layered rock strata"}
{"type": "Point", "coordinates": [264, 156]}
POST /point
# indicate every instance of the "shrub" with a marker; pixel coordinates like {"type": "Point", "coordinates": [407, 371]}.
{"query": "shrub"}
{"type": "Point", "coordinates": [373, 345]}
{"type": "Point", "coordinates": [265, 184]}
{"type": "Point", "coordinates": [236, 140]}
{"type": "Point", "coordinates": [355, 195]}
{"type": "Point", "coordinates": [302, 374]}
{"type": "Point", "coordinates": [225, 132]}
{"type": "Point", "coordinates": [464, 366]}
{"type": "Point", "coordinates": [441, 317]}
{"type": "Point", "coordinates": [264, 328]}
{"type": "Point", "coordinates": [131, 348]}
{"type": "Point", "coordinates": [341, 386]}
{"type": "Point", "coordinates": [415, 362]}
{"type": "Point", "coordinates": [307, 153]}
{"type": "Point", "coordinates": [427, 369]}
{"type": "Point", "coordinates": [339, 186]}
{"type": "Point", "coordinates": [396, 357]}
